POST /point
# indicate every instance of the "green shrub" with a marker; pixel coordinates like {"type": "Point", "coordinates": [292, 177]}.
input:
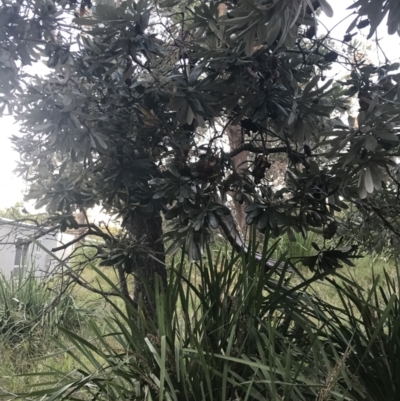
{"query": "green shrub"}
{"type": "Point", "coordinates": [367, 321]}
{"type": "Point", "coordinates": [29, 309]}
{"type": "Point", "coordinates": [227, 329]}
{"type": "Point", "coordinates": [222, 330]}
{"type": "Point", "coordinates": [31, 312]}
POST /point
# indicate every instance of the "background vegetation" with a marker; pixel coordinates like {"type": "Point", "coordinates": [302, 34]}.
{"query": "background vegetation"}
{"type": "Point", "coordinates": [224, 328]}
{"type": "Point", "coordinates": [193, 113]}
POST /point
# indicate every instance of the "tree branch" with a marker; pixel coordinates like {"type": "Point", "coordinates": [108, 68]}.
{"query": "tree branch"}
{"type": "Point", "coordinates": [253, 149]}
{"type": "Point", "coordinates": [232, 234]}
{"type": "Point", "coordinates": [92, 230]}
{"type": "Point", "coordinates": [35, 237]}
{"type": "Point", "coordinates": [385, 221]}
{"type": "Point", "coordinates": [74, 241]}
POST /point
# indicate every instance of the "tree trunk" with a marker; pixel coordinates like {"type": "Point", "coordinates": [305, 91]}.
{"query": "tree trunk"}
{"type": "Point", "coordinates": [80, 219]}
{"type": "Point", "coordinates": [240, 164]}
{"type": "Point", "coordinates": [146, 226]}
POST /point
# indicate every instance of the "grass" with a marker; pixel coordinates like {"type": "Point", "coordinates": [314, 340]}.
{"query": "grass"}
{"type": "Point", "coordinates": [15, 365]}
{"type": "Point", "coordinates": [31, 315]}
{"type": "Point", "coordinates": [367, 267]}
{"type": "Point", "coordinates": [231, 333]}
{"type": "Point", "coordinates": [14, 361]}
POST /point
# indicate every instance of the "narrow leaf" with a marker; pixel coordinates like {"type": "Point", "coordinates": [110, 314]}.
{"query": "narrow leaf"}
{"type": "Point", "coordinates": [326, 8]}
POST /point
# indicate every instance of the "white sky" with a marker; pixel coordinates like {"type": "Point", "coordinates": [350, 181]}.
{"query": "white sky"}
{"type": "Point", "coordinates": [12, 187]}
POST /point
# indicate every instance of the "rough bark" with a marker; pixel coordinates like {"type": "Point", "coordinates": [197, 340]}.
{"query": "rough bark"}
{"type": "Point", "coordinates": [123, 282]}
{"type": "Point", "coordinates": [77, 233]}
{"type": "Point", "coordinates": [277, 171]}
{"type": "Point", "coordinates": [234, 133]}
{"type": "Point", "coordinates": [146, 226]}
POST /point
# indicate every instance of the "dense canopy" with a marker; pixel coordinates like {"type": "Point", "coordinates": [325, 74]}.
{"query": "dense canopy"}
{"type": "Point", "coordinates": [199, 111]}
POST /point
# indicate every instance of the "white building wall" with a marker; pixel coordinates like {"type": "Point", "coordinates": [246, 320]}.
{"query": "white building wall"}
{"type": "Point", "coordinates": [62, 239]}
{"type": "Point", "coordinates": [36, 257]}
{"type": "Point", "coordinates": [7, 252]}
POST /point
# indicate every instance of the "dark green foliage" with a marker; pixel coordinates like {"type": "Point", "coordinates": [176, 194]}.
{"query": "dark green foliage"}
{"type": "Point", "coordinates": [138, 97]}
{"type": "Point", "coordinates": [368, 321]}
{"type": "Point", "coordinates": [226, 329]}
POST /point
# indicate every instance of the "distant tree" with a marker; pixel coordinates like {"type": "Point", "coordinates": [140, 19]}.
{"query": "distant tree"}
{"type": "Point", "coordinates": [171, 108]}
{"type": "Point", "coordinates": [19, 212]}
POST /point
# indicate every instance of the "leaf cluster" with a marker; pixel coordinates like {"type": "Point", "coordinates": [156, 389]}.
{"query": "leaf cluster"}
{"type": "Point", "coordinates": [135, 111]}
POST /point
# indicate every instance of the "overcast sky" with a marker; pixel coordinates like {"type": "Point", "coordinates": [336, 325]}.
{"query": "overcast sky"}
{"type": "Point", "coordinates": [12, 187]}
